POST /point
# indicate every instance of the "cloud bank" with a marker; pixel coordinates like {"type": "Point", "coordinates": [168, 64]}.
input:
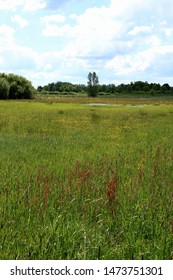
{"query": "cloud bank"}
{"type": "Point", "coordinates": [120, 40]}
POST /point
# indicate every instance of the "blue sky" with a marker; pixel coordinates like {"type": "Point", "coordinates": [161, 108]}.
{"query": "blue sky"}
{"type": "Point", "coordinates": [63, 40]}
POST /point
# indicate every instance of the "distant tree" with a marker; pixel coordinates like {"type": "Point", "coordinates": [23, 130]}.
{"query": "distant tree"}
{"type": "Point", "coordinates": [120, 88]}
{"type": "Point", "coordinates": [152, 92]}
{"type": "Point", "coordinates": [155, 87]}
{"type": "Point", "coordinates": [146, 88]}
{"type": "Point", "coordinates": [167, 86]}
{"type": "Point", "coordinates": [93, 82]}
{"type": "Point", "coordinates": [138, 85]}
{"type": "Point", "coordinates": [39, 88]}
{"type": "Point", "coordinates": [137, 88]}
{"type": "Point", "coordinates": [112, 88]}
{"type": "Point", "coordinates": [164, 88]}
{"type": "Point", "coordinates": [4, 88]}
{"type": "Point", "coordinates": [129, 88]}
{"type": "Point", "coordinates": [103, 88]}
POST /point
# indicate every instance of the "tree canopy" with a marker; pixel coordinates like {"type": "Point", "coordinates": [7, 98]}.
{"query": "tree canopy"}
{"type": "Point", "coordinates": [15, 87]}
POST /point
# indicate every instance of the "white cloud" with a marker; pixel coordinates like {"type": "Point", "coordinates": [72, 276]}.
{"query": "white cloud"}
{"type": "Point", "coordinates": [34, 5]}
{"type": "Point", "coordinates": [1, 60]}
{"type": "Point", "coordinates": [142, 61]}
{"type": "Point", "coordinates": [20, 20]}
{"type": "Point", "coordinates": [168, 31]}
{"type": "Point", "coordinates": [154, 40]}
{"type": "Point", "coordinates": [92, 33]}
{"type": "Point", "coordinates": [140, 29]}
{"type": "Point", "coordinates": [52, 18]}
{"type": "Point", "coordinates": [7, 36]}
{"type": "Point", "coordinates": [13, 55]}
{"type": "Point", "coordinates": [52, 27]}
{"type": "Point", "coordinates": [126, 38]}
{"type": "Point", "coordinates": [123, 38]}
{"type": "Point", "coordinates": [10, 4]}
{"type": "Point", "coordinates": [128, 8]}
{"type": "Point", "coordinates": [6, 30]}
{"type": "Point", "coordinates": [73, 16]}
{"type": "Point", "coordinates": [28, 5]}
{"type": "Point", "coordinates": [52, 30]}
{"type": "Point", "coordinates": [128, 64]}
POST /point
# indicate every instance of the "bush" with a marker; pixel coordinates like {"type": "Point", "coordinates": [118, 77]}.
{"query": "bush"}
{"type": "Point", "coordinates": [4, 88]}
{"type": "Point", "coordinates": [15, 87]}
{"type": "Point", "coordinates": [152, 92]}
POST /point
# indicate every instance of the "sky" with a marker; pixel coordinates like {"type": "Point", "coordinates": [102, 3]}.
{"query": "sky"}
{"type": "Point", "coordinates": [63, 40]}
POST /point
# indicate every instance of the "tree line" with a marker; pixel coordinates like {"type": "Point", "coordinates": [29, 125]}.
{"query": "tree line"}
{"type": "Point", "coordinates": [15, 87]}
{"type": "Point", "coordinates": [93, 88]}
{"type": "Point", "coordinates": [62, 88]}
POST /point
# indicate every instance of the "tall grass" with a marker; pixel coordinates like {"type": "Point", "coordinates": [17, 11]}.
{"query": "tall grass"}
{"type": "Point", "coordinates": [85, 182]}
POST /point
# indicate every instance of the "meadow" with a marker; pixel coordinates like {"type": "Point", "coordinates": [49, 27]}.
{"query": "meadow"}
{"type": "Point", "coordinates": [85, 178]}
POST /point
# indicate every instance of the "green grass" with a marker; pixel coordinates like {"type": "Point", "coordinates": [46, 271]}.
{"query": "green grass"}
{"type": "Point", "coordinates": [86, 182]}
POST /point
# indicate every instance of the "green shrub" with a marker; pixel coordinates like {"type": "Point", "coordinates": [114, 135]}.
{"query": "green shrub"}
{"type": "Point", "coordinates": [4, 88]}
{"type": "Point", "coordinates": [15, 87]}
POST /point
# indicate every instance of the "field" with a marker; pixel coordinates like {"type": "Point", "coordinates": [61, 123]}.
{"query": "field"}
{"type": "Point", "coordinates": [86, 179]}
